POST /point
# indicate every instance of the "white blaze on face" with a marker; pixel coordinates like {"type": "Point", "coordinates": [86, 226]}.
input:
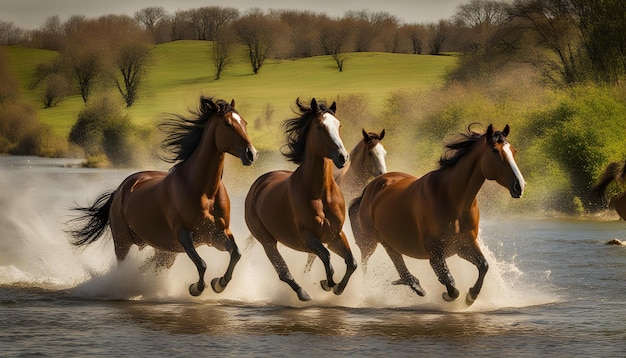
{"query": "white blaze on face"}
{"type": "Point", "coordinates": [506, 148]}
{"type": "Point", "coordinates": [379, 153]}
{"type": "Point", "coordinates": [332, 125]}
{"type": "Point", "coordinates": [236, 117]}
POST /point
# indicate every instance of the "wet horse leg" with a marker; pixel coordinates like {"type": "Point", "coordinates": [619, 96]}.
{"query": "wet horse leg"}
{"type": "Point", "coordinates": [439, 265]}
{"type": "Point", "coordinates": [406, 278]}
{"type": "Point", "coordinates": [475, 256]}
{"type": "Point", "coordinates": [314, 244]}
{"type": "Point", "coordinates": [341, 248]}
{"type": "Point", "coordinates": [219, 283]}
{"type": "Point", "coordinates": [309, 262]}
{"type": "Point", "coordinates": [186, 240]}
{"type": "Point", "coordinates": [283, 271]}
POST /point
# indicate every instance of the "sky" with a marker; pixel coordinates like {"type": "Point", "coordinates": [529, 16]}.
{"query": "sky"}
{"type": "Point", "coordinates": [31, 14]}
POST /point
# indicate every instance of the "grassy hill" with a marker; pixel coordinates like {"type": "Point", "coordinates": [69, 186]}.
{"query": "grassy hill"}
{"type": "Point", "coordinates": [182, 71]}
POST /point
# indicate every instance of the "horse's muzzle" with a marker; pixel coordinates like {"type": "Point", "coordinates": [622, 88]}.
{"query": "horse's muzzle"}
{"type": "Point", "coordinates": [249, 155]}
{"type": "Point", "coordinates": [341, 159]}
{"type": "Point", "coordinates": [517, 189]}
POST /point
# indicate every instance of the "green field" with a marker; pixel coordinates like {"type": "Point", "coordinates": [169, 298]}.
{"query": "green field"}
{"type": "Point", "coordinates": [181, 71]}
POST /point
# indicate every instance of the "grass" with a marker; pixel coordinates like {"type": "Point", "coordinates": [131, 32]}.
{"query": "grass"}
{"type": "Point", "coordinates": [181, 71]}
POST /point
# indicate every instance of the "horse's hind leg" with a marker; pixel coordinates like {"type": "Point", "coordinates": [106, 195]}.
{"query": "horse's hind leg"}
{"type": "Point", "coordinates": [186, 240]}
{"type": "Point", "coordinates": [475, 256]}
{"type": "Point", "coordinates": [363, 238]}
{"type": "Point", "coordinates": [219, 283]}
{"type": "Point", "coordinates": [406, 278]}
{"type": "Point", "coordinates": [438, 263]}
{"type": "Point", "coordinates": [340, 247]}
{"type": "Point", "coordinates": [283, 271]}
{"type": "Point", "coordinates": [309, 262]}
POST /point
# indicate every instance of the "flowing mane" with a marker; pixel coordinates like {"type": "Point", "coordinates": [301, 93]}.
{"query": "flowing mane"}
{"type": "Point", "coordinates": [456, 149]}
{"type": "Point", "coordinates": [297, 128]}
{"type": "Point", "coordinates": [184, 133]}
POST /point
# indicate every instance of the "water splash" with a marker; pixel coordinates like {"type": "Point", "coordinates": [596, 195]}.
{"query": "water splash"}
{"type": "Point", "coordinates": [35, 251]}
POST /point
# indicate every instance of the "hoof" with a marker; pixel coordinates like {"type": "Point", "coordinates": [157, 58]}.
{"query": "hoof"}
{"type": "Point", "coordinates": [217, 287]}
{"type": "Point", "coordinates": [338, 290]}
{"type": "Point", "coordinates": [194, 291]}
{"type": "Point", "coordinates": [302, 295]}
{"type": "Point", "coordinates": [449, 298]}
{"type": "Point", "coordinates": [325, 285]}
{"type": "Point", "coordinates": [469, 299]}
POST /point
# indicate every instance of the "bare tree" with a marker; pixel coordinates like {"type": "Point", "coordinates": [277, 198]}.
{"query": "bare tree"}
{"type": "Point", "coordinates": [221, 51]}
{"type": "Point", "coordinates": [334, 36]}
{"type": "Point", "coordinates": [131, 64]}
{"type": "Point", "coordinates": [10, 34]}
{"type": "Point", "coordinates": [149, 17]}
{"type": "Point", "coordinates": [482, 18]}
{"type": "Point", "coordinates": [257, 33]}
{"type": "Point", "coordinates": [415, 35]}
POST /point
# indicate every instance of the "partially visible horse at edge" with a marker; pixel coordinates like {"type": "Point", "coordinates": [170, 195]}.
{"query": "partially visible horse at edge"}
{"type": "Point", "coordinates": [188, 206]}
{"type": "Point", "coordinates": [614, 172]}
{"type": "Point", "coordinates": [304, 209]}
{"type": "Point", "coordinates": [367, 161]}
{"type": "Point", "coordinates": [437, 215]}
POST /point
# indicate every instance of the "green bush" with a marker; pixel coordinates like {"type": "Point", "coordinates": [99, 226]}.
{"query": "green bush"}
{"type": "Point", "coordinates": [103, 128]}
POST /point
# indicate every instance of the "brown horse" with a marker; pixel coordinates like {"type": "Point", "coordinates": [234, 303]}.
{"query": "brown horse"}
{"type": "Point", "coordinates": [304, 209]}
{"type": "Point", "coordinates": [367, 161]}
{"type": "Point", "coordinates": [615, 171]}
{"type": "Point", "coordinates": [178, 210]}
{"type": "Point", "coordinates": [436, 216]}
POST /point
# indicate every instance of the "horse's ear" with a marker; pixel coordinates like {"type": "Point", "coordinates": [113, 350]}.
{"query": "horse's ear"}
{"type": "Point", "coordinates": [365, 135]}
{"type": "Point", "coordinates": [489, 133]}
{"type": "Point", "coordinates": [333, 107]}
{"type": "Point", "coordinates": [232, 103]}
{"type": "Point", "coordinates": [381, 135]}
{"type": "Point", "coordinates": [314, 106]}
{"type": "Point", "coordinates": [207, 105]}
{"type": "Point", "coordinates": [506, 130]}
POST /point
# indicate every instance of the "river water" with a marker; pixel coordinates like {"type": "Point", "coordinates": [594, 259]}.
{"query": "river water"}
{"type": "Point", "coordinates": [554, 288]}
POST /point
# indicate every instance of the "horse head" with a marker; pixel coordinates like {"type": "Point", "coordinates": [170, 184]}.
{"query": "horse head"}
{"type": "Point", "coordinates": [498, 161]}
{"type": "Point", "coordinates": [375, 153]}
{"type": "Point", "coordinates": [231, 134]}
{"type": "Point", "coordinates": [324, 135]}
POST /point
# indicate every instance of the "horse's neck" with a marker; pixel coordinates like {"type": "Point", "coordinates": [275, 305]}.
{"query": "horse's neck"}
{"type": "Point", "coordinates": [316, 173]}
{"type": "Point", "coordinates": [465, 178]}
{"type": "Point", "coordinates": [205, 166]}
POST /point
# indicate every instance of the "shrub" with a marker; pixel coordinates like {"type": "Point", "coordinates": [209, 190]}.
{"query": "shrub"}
{"type": "Point", "coordinates": [103, 128]}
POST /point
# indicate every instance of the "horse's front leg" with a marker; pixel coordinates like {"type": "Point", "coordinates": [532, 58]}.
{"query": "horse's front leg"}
{"type": "Point", "coordinates": [314, 244]}
{"type": "Point", "coordinates": [219, 283]}
{"type": "Point", "coordinates": [186, 239]}
{"type": "Point", "coordinates": [340, 246]}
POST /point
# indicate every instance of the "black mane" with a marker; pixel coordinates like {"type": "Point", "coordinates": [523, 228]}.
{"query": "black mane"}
{"type": "Point", "coordinates": [297, 128]}
{"type": "Point", "coordinates": [456, 149]}
{"type": "Point", "coordinates": [184, 134]}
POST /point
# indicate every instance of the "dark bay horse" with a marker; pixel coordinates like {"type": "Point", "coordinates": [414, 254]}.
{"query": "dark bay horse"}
{"type": "Point", "coordinates": [614, 172]}
{"type": "Point", "coordinates": [367, 161]}
{"type": "Point", "coordinates": [178, 210]}
{"type": "Point", "coordinates": [304, 209]}
{"type": "Point", "coordinates": [436, 216]}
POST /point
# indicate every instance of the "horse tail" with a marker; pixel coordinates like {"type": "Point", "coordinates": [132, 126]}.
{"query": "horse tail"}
{"type": "Point", "coordinates": [94, 220]}
{"type": "Point", "coordinates": [612, 172]}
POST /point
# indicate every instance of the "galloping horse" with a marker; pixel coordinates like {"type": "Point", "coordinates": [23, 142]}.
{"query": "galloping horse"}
{"type": "Point", "coordinates": [304, 209]}
{"type": "Point", "coordinates": [178, 210]}
{"type": "Point", "coordinates": [367, 161]}
{"type": "Point", "coordinates": [615, 171]}
{"type": "Point", "coordinates": [436, 216]}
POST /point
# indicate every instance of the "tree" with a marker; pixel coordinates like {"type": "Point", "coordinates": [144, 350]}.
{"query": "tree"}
{"type": "Point", "coordinates": [257, 33]}
{"type": "Point", "coordinates": [222, 47]}
{"type": "Point", "coordinates": [149, 17]}
{"type": "Point", "coordinates": [10, 34]}
{"type": "Point", "coordinates": [481, 18]}
{"type": "Point", "coordinates": [438, 35]}
{"type": "Point", "coordinates": [131, 62]}
{"type": "Point", "coordinates": [334, 36]}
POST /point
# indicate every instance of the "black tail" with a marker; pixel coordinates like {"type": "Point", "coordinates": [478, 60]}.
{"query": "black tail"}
{"type": "Point", "coordinates": [613, 171]}
{"type": "Point", "coordinates": [94, 221]}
